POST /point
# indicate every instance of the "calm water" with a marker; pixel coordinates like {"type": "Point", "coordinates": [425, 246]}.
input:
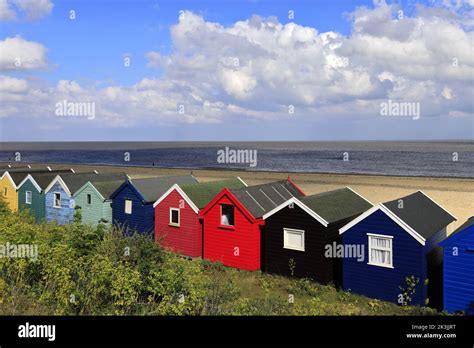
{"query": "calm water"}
{"type": "Point", "coordinates": [397, 158]}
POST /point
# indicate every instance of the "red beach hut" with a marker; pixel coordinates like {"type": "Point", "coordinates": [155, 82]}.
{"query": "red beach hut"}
{"type": "Point", "coordinates": [177, 225]}
{"type": "Point", "coordinates": [233, 219]}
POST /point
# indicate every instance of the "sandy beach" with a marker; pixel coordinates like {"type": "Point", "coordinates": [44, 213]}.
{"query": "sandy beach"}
{"type": "Point", "coordinates": [455, 194]}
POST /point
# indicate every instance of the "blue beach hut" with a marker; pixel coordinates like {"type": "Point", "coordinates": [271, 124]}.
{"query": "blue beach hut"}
{"type": "Point", "coordinates": [458, 269]}
{"type": "Point", "coordinates": [403, 260]}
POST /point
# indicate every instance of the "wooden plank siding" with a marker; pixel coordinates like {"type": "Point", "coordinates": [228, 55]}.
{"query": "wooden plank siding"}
{"type": "Point", "coordinates": [185, 239]}
{"type": "Point", "coordinates": [311, 263]}
{"type": "Point", "coordinates": [11, 197]}
{"type": "Point", "coordinates": [409, 258]}
{"type": "Point", "coordinates": [237, 246]}
{"type": "Point", "coordinates": [64, 214]}
{"type": "Point", "coordinates": [458, 270]}
{"type": "Point", "coordinates": [37, 207]}
{"type": "Point", "coordinates": [99, 208]}
{"type": "Point", "coordinates": [142, 218]}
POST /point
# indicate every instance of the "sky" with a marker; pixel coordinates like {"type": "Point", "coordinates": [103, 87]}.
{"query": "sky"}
{"type": "Point", "coordinates": [122, 70]}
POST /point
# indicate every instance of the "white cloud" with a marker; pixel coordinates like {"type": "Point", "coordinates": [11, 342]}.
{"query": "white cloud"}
{"type": "Point", "coordinates": [238, 83]}
{"type": "Point", "coordinates": [12, 85]}
{"type": "Point", "coordinates": [33, 9]}
{"type": "Point", "coordinates": [20, 54]}
{"type": "Point", "coordinates": [257, 68]}
{"type": "Point", "coordinates": [6, 11]}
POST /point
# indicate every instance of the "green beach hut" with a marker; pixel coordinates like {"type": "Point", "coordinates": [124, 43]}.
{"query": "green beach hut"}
{"type": "Point", "coordinates": [94, 200]}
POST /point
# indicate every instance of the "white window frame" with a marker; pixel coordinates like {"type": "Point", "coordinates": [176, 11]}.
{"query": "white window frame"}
{"type": "Point", "coordinates": [233, 211]}
{"type": "Point", "coordinates": [389, 249]}
{"type": "Point", "coordinates": [26, 197]}
{"type": "Point", "coordinates": [285, 239]}
{"type": "Point", "coordinates": [172, 223]}
{"type": "Point", "coordinates": [54, 200]}
{"type": "Point", "coordinates": [128, 211]}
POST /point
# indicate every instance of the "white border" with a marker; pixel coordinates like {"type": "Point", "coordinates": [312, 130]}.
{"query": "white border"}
{"type": "Point", "coordinates": [33, 181]}
{"type": "Point", "coordinates": [299, 204]}
{"type": "Point", "coordinates": [391, 215]}
{"type": "Point", "coordinates": [178, 224]}
{"type": "Point", "coordinates": [61, 182]}
{"type": "Point", "coordinates": [26, 196]}
{"type": "Point", "coordinates": [293, 230]}
{"type": "Point", "coordinates": [365, 199]}
{"type": "Point", "coordinates": [243, 182]}
{"type": "Point", "coordinates": [9, 178]}
{"type": "Point", "coordinates": [54, 200]}
{"type": "Point", "coordinates": [125, 206]}
{"type": "Point", "coordinates": [369, 249]}
{"type": "Point", "coordinates": [439, 205]}
{"type": "Point", "coordinates": [182, 193]}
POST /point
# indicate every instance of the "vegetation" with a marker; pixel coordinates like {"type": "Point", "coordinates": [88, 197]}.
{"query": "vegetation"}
{"type": "Point", "coordinates": [82, 270]}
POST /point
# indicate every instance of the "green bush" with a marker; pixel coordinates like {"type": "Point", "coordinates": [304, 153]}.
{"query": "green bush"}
{"type": "Point", "coordinates": [82, 270]}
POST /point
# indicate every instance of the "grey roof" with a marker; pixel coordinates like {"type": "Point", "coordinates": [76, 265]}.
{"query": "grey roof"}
{"type": "Point", "coordinates": [44, 179]}
{"type": "Point", "coordinates": [260, 199]}
{"type": "Point", "coordinates": [19, 175]}
{"type": "Point", "coordinates": [421, 214]}
{"type": "Point", "coordinates": [75, 181]}
{"type": "Point", "coordinates": [337, 205]}
{"type": "Point", "coordinates": [106, 188]}
{"type": "Point", "coordinates": [153, 188]}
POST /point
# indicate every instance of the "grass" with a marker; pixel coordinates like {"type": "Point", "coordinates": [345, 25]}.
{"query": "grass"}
{"type": "Point", "coordinates": [90, 263]}
{"type": "Point", "coordinates": [307, 297]}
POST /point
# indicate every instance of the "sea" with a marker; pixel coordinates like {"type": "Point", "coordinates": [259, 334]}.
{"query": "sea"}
{"type": "Point", "coordinates": [440, 159]}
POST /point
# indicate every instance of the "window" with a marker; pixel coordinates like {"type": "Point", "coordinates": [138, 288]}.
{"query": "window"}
{"type": "Point", "coordinates": [293, 239]}
{"type": "Point", "coordinates": [28, 197]}
{"type": "Point", "coordinates": [174, 216]}
{"type": "Point", "coordinates": [5, 191]}
{"type": "Point", "coordinates": [380, 250]}
{"type": "Point", "coordinates": [128, 206]}
{"type": "Point", "coordinates": [89, 199]}
{"type": "Point", "coordinates": [57, 200]}
{"type": "Point", "coordinates": [227, 215]}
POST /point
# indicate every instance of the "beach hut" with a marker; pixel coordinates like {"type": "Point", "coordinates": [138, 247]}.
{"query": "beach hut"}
{"type": "Point", "coordinates": [132, 202]}
{"type": "Point", "coordinates": [458, 269]}
{"type": "Point", "coordinates": [94, 200]}
{"type": "Point", "coordinates": [8, 188]}
{"type": "Point", "coordinates": [10, 181]}
{"type": "Point", "coordinates": [233, 219]}
{"type": "Point", "coordinates": [301, 236]}
{"type": "Point", "coordinates": [177, 225]}
{"type": "Point", "coordinates": [402, 259]}
{"type": "Point", "coordinates": [31, 192]}
{"type": "Point", "coordinates": [59, 200]}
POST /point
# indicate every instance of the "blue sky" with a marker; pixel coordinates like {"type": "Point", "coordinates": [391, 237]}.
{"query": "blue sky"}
{"type": "Point", "coordinates": [169, 64]}
{"type": "Point", "coordinates": [91, 47]}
